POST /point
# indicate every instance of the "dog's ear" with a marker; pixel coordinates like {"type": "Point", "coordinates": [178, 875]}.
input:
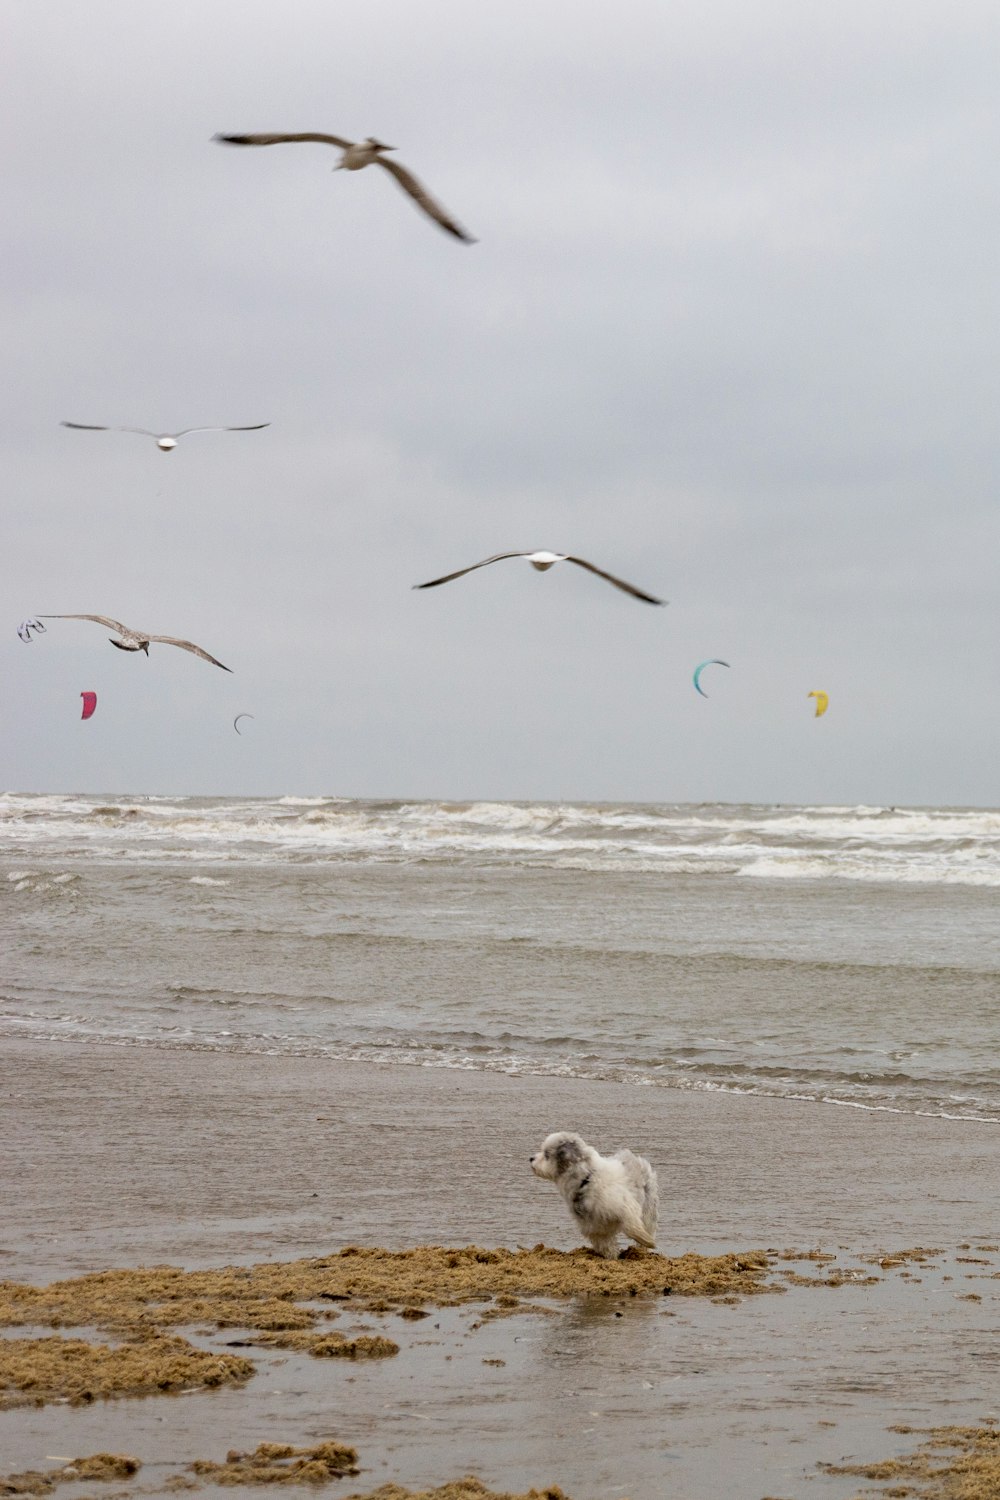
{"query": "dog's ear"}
{"type": "Point", "coordinates": [567, 1153]}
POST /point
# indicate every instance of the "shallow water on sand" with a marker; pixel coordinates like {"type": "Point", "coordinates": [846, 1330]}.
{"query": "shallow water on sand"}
{"type": "Point", "coordinates": [608, 1399]}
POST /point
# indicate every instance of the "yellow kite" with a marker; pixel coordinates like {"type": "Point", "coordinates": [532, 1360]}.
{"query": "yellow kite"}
{"type": "Point", "coordinates": [822, 702]}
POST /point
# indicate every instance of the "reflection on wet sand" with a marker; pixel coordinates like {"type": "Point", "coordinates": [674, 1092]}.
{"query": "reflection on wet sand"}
{"type": "Point", "coordinates": [523, 1367]}
{"type": "Point", "coordinates": [607, 1385]}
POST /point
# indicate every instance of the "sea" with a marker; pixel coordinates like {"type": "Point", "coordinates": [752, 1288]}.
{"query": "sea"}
{"type": "Point", "coordinates": [848, 956]}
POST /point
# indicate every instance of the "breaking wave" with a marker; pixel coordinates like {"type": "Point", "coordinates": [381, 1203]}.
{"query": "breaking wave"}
{"type": "Point", "coordinates": [907, 846]}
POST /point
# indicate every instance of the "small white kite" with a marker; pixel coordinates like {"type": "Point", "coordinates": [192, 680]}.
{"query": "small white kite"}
{"type": "Point", "coordinates": [27, 626]}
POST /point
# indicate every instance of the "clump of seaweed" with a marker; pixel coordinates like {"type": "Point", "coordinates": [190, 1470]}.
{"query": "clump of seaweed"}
{"type": "Point", "coordinates": [469, 1488]}
{"type": "Point", "coordinates": [269, 1297]}
{"type": "Point", "coordinates": [268, 1464]}
{"type": "Point", "coordinates": [281, 1463]}
{"type": "Point", "coordinates": [104, 1467]}
{"type": "Point", "coordinates": [952, 1463]}
{"type": "Point", "coordinates": [36, 1371]}
{"type": "Point", "coordinates": [287, 1306]}
{"type": "Point", "coordinates": [332, 1345]}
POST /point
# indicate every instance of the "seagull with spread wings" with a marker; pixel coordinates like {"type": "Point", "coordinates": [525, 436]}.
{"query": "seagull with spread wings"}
{"type": "Point", "coordinates": [543, 561]}
{"type": "Point", "coordinates": [164, 440]}
{"type": "Point", "coordinates": [138, 640]}
{"type": "Point", "coordinates": [358, 154]}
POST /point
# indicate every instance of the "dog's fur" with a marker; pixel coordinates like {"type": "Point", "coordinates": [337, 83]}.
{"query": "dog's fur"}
{"type": "Point", "coordinates": [607, 1195]}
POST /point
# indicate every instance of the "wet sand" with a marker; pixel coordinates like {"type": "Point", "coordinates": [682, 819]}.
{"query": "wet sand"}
{"type": "Point", "coordinates": [129, 1157]}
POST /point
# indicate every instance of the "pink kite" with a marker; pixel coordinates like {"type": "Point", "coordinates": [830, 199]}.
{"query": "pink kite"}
{"type": "Point", "coordinates": [89, 704]}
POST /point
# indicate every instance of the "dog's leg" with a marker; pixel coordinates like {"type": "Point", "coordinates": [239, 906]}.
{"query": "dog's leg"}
{"type": "Point", "coordinates": [605, 1245]}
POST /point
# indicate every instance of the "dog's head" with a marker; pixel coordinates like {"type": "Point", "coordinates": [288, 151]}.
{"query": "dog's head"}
{"type": "Point", "coordinates": [558, 1153]}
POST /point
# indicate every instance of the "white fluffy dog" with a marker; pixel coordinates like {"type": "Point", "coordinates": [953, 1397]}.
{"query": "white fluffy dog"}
{"type": "Point", "coordinates": [607, 1195]}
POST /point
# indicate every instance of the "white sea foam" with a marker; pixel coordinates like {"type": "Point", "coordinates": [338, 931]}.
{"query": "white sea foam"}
{"type": "Point", "coordinates": [306, 801]}
{"type": "Point", "coordinates": [872, 870]}
{"type": "Point", "coordinates": [947, 846]}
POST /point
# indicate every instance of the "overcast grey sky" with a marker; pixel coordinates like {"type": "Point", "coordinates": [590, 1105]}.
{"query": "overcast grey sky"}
{"type": "Point", "coordinates": [731, 331]}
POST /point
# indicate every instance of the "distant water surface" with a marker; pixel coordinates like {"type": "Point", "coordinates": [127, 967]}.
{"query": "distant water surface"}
{"type": "Point", "coordinates": [844, 955]}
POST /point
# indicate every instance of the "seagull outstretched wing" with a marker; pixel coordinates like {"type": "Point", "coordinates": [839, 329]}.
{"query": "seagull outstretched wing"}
{"type": "Point", "coordinates": [279, 139]}
{"type": "Point", "coordinates": [423, 199]}
{"type": "Point", "coordinates": [97, 619]}
{"type": "Point", "coordinates": [253, 427]}
{"type": "Point", "coordinates": [171, 640]}
{"type": "Point", "coordinates": [619, 583]}
{"type": "Point", "coordinates": [91, 427]}
{"type": "Point", "coordinates": [499, 557]}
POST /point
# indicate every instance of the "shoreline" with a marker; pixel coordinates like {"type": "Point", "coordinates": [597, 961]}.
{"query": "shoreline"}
{"type": "Point", "coordinates": [192, 1156]}
{"type": "Point", "coordinates": [623, 1077]}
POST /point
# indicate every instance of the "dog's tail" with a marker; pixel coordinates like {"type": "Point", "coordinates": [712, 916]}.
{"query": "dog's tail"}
{"type": "Point", "coordinates": [651, 1205]}
{"type": "Point", "coordinates": [637, 1230]}
{"type": "Point", "coordinates": [642, 1180]}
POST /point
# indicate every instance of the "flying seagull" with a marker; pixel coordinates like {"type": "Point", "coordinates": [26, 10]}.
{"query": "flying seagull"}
{"type": "Point", "coordinates": [358, 154]}
{"type": "Point", "coordinates": [164, 440]}
{"type": "Point", "coordinates": [138, 640]}
{"type": "Point", "coordinates": [543, 561]}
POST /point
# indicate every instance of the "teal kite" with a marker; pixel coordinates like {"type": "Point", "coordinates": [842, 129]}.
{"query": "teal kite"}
{"type": "Point", "coordinates": [713, 661]}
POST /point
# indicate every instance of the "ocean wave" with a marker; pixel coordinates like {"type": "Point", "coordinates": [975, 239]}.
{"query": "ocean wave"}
{"type": "Point", "coordinates": [306, 801]}
{"type": "Point", "coordinates": [39, 881]}
{"type": "Point", "coordinates": [919, 846]}
{"type": "Point", "coordinates": [875, 869]}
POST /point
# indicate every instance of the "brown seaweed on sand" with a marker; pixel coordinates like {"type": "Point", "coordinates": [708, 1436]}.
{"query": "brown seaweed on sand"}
{"type": "Point", "coordinates": [268, 1464]}
{"type": "Point", "coordinates": [288, 1305]}
{"type": "Point", "coordinates": [952, 1463]}
{"type": "Point", "coordinates": [269, 1297]}
{"type": "Point", "coordinates": [332, 1345]}
{"type": "Point", "coordinates": [469, 1488]}
{"type": "Point", "coordinates": [280, 1463]}
{"type": "Point", "coordinates": [105, 1467]}
{"type": "Point", "coordinates": [36, 1371]}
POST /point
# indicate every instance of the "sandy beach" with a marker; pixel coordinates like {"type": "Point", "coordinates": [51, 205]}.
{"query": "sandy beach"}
{"type": "Point", "coordinates": [124, 1157]}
